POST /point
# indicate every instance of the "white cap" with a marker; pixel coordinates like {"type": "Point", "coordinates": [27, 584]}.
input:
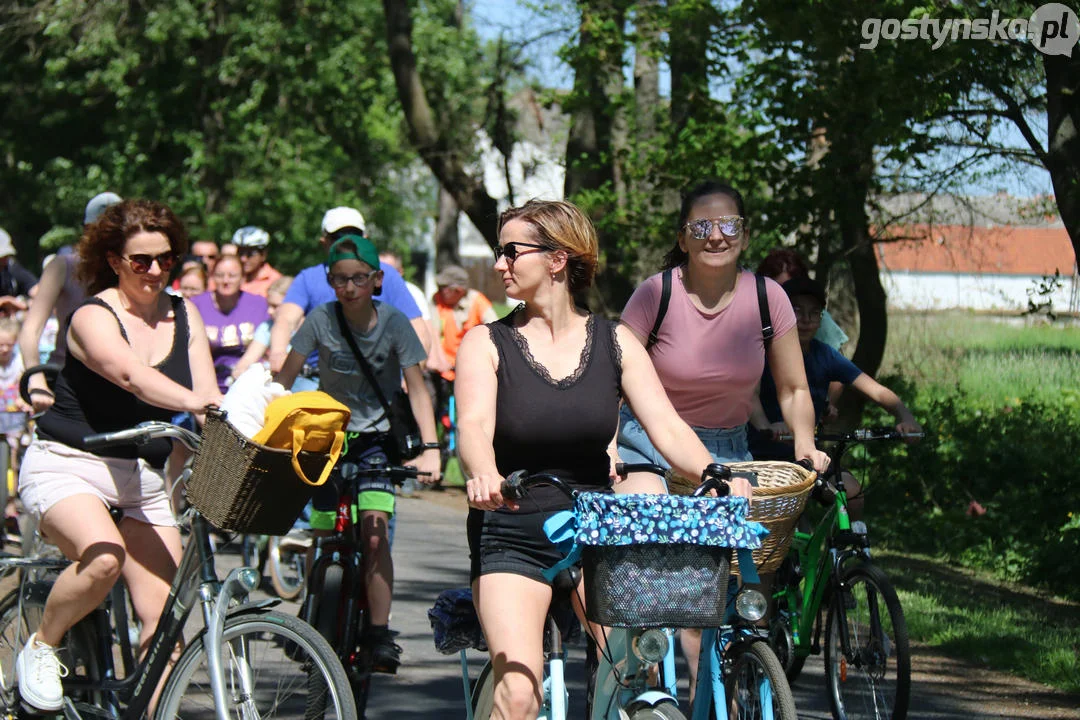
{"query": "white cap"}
{"type": "Point", "coordinates": [342, 217]}
{"type": "Point", "coordinates": [250, 236]}
{"type": "Point", "coordinates": [97, 205]}
{"type": "Point", "coordinates": [7, 248]}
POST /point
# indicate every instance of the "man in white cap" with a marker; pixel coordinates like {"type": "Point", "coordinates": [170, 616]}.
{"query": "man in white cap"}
{"type": "Point", "coordinates": [251, 242]}
{"type": "Point", "coordinates": [16, 282]}
{"type": "Point", "coordinates": [311, 289]}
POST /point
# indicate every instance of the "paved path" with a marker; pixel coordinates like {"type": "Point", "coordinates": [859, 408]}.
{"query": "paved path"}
{"type": "Point", "coordinates": [431, 554]}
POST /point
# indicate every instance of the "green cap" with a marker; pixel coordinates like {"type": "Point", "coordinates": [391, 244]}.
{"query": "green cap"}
{"type": "Point", "coordinates": [365, 252]}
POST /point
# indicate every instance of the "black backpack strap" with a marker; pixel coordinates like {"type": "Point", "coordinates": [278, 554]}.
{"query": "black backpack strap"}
{"type": "Point", "coordinates": [767, 331]}
{"type": "Point", "coordinates": [665, 298]}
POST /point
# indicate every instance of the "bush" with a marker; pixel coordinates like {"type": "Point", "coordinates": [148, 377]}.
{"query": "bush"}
{"type": "Point", "coordinates": [1015, 462]}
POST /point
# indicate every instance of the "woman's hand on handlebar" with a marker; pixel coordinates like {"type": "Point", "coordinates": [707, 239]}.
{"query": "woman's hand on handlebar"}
{"type": "Point", "coordinates": [485, 492]}
{"type": "Point", "coordinates": [741, 487]}
{"type": "Point", "coordinates": [911, 431]}
{"type": "Point", "coordinates": [430, 462]}
{"type": "Point", "coordinates": [819, 459]}
{"type": "Point", "coordinates": [43, 398]}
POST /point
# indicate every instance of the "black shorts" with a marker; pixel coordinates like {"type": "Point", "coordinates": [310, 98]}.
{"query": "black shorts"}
{"type": "Point", "coordinates": [501, 542]}
{"type": "Point", "coordinates": [361, 449]}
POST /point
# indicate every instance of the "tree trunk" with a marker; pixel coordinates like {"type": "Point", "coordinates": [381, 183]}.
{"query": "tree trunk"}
{"type": "Point", "coordinates": [1063, 146]}
{"type": "Point", "coordinates": [690, 32]}
{"type": "Point", "coordinates": [445, 163]}
{"type": "Point", "coordinates": [446, 231]}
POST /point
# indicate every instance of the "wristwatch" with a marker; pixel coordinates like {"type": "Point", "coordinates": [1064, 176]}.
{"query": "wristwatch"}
{"type": "Point", "coordinates": [431, 446]}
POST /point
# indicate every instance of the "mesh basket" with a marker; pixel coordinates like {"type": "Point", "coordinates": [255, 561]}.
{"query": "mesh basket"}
{"type": "Point", "coordinates": [652, 585]}
{"type": "Point", "coordinates": [243, 486]}
{"type": "Point", "coordinates": [779, 499]}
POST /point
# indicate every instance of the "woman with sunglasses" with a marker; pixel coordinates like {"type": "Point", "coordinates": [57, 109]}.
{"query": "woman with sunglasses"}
{"type": "Point", "coordinates": [135, 353]}
{"type": "Point", "coordinates": [709, 350]}
{"type": "Point", "coordinates": [231, 316]}
{"type": "Point", "coordinates": [540, 390]}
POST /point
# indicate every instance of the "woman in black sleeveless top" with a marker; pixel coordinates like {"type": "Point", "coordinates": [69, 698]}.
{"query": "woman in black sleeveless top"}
{"type": "Point", "coordinates": [134, 354]}
{"type": "Point", "coordinates": [540, 390]}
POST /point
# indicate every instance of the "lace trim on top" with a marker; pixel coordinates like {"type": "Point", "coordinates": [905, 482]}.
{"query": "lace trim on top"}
{"type": "Point", "coordinates": [583, 364]}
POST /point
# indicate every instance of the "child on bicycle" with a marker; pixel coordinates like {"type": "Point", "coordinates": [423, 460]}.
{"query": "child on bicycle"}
{"type": "Point", "coordinates": [390, 346]}
{"type": "Point", "coordinates": [824, 365]}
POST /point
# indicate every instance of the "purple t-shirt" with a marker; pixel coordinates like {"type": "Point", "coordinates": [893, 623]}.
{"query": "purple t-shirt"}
{"type": "Point", "coordinates": [231, 333]}
{"type": "Point", "coordinates": [709, 363]}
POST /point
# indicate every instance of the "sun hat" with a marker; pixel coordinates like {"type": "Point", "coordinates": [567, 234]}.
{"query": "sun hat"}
{"type": "Point", "coordinates": [452, 275]}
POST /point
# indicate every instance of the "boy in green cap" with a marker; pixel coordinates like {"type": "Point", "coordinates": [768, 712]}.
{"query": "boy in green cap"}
{"type": "Point", "coordinates": [385, 338]}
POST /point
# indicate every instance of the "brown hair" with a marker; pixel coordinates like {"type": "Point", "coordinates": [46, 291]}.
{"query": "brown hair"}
{"type": "Point", "coordinates": [562, 226]}
{"type": "Point", "coordinates": [110, 232]}
{"type": "Point", "coordinates": [783, 260]}
{"type": "Point", "coordinates": [676, 256]}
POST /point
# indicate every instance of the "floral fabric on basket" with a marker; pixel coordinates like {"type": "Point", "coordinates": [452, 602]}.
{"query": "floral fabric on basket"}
{"type": "Point", "coordinates": [607, 519]}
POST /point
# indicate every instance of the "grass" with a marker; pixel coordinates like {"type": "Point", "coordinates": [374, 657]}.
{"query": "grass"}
{"type": "Point", "coordinates": [997, 625]}
{"type": "Point", "coordinates": [994, 361]}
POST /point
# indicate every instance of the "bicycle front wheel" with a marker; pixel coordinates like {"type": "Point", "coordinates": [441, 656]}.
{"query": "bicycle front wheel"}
{"type": "Point", "coordinates": [274, 666]}
{"type": "Point", "coordinates": [286, 565]}
{"type": "Point", "coordinates": [869, 675]}
{"type": "Point", "coordinates": [757, 687]}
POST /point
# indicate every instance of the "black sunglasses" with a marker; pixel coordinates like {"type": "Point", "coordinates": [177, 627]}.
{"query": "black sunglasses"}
{"type": "Point", "coordinates": [510, 250]}
{"type": "Point", "coordinates": [141, 263]}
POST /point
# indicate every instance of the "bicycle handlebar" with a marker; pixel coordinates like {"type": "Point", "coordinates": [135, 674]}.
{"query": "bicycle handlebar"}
{"type": "Point", "coordinates": [859, 435]}
{"type": "Point", "coordinates": [517, 484]}
{"type": "Point", "coordinates": [143, 433]}
{"type": "Point", "coordinates": [396, 472]}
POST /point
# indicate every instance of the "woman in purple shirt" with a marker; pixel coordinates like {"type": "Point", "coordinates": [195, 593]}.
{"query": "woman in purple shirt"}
{"type": "Point", "coordinates": [230, 316]}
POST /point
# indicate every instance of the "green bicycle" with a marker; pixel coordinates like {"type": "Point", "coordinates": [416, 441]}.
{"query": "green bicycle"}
{"type": "Point", "coordinates": [867, 661]}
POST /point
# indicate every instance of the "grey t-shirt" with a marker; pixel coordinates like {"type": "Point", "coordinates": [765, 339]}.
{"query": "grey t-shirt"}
{"type": "Point", "coordinates": [390, 347]}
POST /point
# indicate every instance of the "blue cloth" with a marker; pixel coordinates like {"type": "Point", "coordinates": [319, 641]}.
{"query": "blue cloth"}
{"type": "Point", "coordinates": [613, 520]}
{"type": "Point", "coordinates": [823, 366]}
{"type": "Point", "coordinates": [310, 290]}
{"type": "Point", "coordinates": [727, 445]}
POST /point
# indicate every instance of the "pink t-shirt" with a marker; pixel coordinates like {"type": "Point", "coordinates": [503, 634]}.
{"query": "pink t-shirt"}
{"type": "Point", "coordinates": [709, 363]}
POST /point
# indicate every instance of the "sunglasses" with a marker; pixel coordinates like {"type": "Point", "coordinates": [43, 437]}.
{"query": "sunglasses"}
{"type": "Point", "coordinates": [730, 226]}
{"type": "Point", "coordinates": [245, 251]}
{"type": "Point", "coordinates": [360, 280]}
{"type": "Point", "coordinates": [141, 263]}
{"type": "Point", "coordinates": [510, 250]}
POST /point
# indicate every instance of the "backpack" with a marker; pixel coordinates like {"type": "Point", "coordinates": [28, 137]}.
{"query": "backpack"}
{"type": "Point", "coordinates": [767, 331]}
{"type": "Point", "coordinates": [311, 421]}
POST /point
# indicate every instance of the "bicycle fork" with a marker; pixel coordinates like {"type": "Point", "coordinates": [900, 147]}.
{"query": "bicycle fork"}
{"type": "Point", "coordinates": [622, 678]}
{"type": "Point", "coordinates": [238, 583]}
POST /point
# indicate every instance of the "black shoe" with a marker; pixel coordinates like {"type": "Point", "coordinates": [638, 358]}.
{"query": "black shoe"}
{"type": "Point", "coordinates": [385, 654]}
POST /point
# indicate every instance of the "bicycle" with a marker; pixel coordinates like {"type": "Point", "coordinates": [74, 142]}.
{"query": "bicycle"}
{"type": "Point", "coordinates": [235, 666]}
{"type": "Point", "coordinates": [867, 659]}
{"type": "Point", "coordinates": [335, 601]}
{"type": "Point", "coordinates": [635, 673]}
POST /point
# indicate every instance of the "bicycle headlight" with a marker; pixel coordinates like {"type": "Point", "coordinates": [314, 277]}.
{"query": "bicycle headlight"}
{"type": "Point", "coordinates": [249, 578]}
{"type": "Point", "coordinates": [651, 646]}
{"type": "Point", "coordinates": [751, 604]}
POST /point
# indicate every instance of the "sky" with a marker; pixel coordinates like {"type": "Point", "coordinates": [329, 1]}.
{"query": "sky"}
{"type": "Point", "coordinates": [548, 31]}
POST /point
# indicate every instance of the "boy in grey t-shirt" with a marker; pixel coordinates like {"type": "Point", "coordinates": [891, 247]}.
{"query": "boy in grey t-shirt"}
{"type": "Point", "coordinates": [387, 341]}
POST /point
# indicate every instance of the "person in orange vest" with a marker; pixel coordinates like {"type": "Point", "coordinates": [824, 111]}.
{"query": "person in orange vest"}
{"type": "Point", "coordinates": [458, 309]}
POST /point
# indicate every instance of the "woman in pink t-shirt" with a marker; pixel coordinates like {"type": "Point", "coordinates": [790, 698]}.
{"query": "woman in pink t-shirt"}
{"type": "Point", "coordinates": [709, 351]}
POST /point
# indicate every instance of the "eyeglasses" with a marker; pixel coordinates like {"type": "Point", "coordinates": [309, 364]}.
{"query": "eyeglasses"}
{"type": "Point", "coordinates": [359, 280]}
{"type": "Point", "coordinates": [730, 226]}
{"type": "Point", "coordinates": [510, 250]}
{"type": "Point", "coordinates": [141, 263]}
{"type": "Point", "coordinates": [811, 314]}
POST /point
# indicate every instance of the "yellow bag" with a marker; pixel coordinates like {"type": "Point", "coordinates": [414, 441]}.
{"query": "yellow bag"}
{"type": "Point", "coordinates": [311, 421]}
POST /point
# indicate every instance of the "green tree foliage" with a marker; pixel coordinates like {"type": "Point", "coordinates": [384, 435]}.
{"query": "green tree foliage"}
{"type": "Point", "coordinates": [263, 113]}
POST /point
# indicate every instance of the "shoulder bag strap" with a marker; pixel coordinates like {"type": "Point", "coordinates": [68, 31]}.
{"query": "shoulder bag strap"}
{"type": "Point", "coordinates": [665, 298]}
{"type": "Point", "coordinates": [767, 331]}
{"type": "Point", "coordinates": [364, 366]}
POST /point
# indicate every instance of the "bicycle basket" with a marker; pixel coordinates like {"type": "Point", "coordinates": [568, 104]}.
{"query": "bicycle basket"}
{"type": "Point", "coordinates": [659, 560]}
{"type": "Point", "coordinates": [779, 499]}
{"type": "Point", "coordinates": [240, 485]}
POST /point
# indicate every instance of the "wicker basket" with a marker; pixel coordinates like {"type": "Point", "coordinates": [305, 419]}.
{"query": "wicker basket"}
{"type": "Point", "coordinates": [779, 499]}
{"type": "Point", "coordinates": [243, 486]}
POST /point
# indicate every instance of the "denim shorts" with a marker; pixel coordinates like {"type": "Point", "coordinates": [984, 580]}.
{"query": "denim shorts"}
{"type": "Point", "coordinates": [727, 445]}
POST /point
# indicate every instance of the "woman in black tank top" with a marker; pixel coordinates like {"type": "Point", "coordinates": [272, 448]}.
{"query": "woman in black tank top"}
{"type": "Point", "coordinates": [540, 390]}
{"type": "Point", "coordinates": [134, 354]}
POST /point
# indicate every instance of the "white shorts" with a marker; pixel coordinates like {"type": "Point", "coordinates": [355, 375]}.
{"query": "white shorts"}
{"type": "Point", "coordinates": [52, 471]}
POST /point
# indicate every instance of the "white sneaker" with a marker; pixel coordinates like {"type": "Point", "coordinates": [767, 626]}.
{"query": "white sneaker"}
{"type": "Point", "coordinates": [39, 671]}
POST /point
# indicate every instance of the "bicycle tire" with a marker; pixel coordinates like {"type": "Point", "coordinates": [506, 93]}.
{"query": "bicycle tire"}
{"type": "Point", "coordinates": [744, 684]}
{"type": "Point", "coordinates": [483, 693]}
{"type": "Point", "coordinates": [286, 569]}
{"type": "Point", "coordinates": [304, 677]}
{"type": "Point", "coordinates": [884, 662]}
{"type": "Point", "coordinates": [664, 710]}
{"type": "Point", "coordinates": [328, 607]}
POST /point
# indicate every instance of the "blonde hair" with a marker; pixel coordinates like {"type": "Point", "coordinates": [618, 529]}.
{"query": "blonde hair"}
{"type": "Point", "coordinates": [562, 226]}
{"type": "Point", "coordinates": [281, 285]}
{"type": "Point", "coordinates": [10, 325]}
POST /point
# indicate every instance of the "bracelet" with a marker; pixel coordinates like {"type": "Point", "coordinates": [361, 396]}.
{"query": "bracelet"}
{"type": "Point", "coordinates": [41, 391]}
{"type": "Point", "coordinates": [431, 446]}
